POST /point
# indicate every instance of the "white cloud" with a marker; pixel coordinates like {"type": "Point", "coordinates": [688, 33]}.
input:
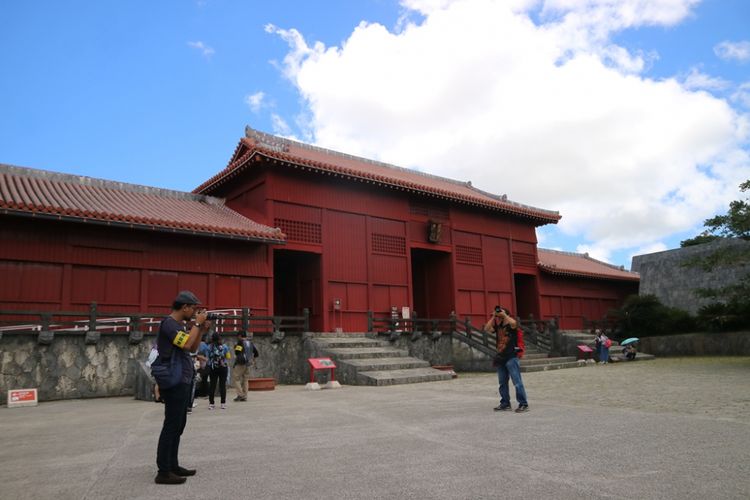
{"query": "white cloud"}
{"type": "Point", "coordinates": [742, 95]}
{"type": "Point", "coordinates": [739, 51]}
{"type": "Point", "coordinates": [696, 80]}
{"type": "Point", "coordinates": [204, 49]}
{"type": "Point", "coordinates": [553, 114]}
{"type": "Point", "coordinates": [280, 126]}
{"type": "Point", "coordinates": [255, 101]}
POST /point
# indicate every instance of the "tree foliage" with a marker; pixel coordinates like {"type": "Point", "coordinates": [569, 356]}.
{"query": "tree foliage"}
{"type": "Point", "coordinates": [645, 315]}
{"type": "Point", "coordinates": [731, 306]}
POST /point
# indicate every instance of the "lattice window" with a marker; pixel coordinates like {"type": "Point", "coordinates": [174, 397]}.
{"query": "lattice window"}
{"type": "Point", "coordinates": [523, 260]}
{"type": "Point", "coordinates": [468, 255]}
{"type": "Point", "coordinates": [304, 232]}
{"type": "Point", "coordinates": [388, 244]}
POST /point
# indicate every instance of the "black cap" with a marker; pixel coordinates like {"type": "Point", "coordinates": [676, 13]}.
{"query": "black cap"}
{"type": "Point", "coordinates": [187, 297]}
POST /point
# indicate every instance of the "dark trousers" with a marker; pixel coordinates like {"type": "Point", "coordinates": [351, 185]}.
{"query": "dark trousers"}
{"type": "Point", "coordinates": [202, 389]}
{"type": "Point", "coordinates": [175, 417]}
{"type": "Point", "coordinates": [218, 375]}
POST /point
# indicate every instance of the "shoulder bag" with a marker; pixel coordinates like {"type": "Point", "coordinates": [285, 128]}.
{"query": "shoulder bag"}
{"type": "Point", "coordinates": [167, 374]}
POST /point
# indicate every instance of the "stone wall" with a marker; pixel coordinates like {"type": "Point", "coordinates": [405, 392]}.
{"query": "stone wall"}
{"type": "Point", "coordinates": [68, 368]}
{"type": "Point", "coordinates": [436, 351]}
{"type": "Point", "coordinates": [468, 359]}
{"type": "Point", "coordinates": [698, 344]}
{"type": "Point", "coordinates": [663, 275]}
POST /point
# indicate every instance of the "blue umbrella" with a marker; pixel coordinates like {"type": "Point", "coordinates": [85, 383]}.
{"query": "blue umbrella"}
{"type": "Point", "coordinates": [629, 341]}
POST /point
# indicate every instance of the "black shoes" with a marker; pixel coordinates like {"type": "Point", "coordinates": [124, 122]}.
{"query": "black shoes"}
{"type": "Point", "coordinates": [182, 471]}
{"type": "Point", "coordinates": [239, 399]}
{"type": "Point", "coordinates": [520, 409]}
{"type": "Point", "coordinates": [168, 478]}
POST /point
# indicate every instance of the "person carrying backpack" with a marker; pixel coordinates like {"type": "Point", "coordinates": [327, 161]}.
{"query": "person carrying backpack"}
{"type": "Point", "coordinates": [603, 343]}
{"type": "Point", "coordinates": [218, 357]}
{"type": "Point", "coordinates": [245, 353]}
{"type": "Point", "coordinates": [510, 348]}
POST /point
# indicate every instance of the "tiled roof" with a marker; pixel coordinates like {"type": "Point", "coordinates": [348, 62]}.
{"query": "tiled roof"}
{"type": "Point", "coordinates": [327, 161]}
{"type": "Point", "coordinates": [576, 264]}
{"type": "Point", "coordinates": [25, 191]}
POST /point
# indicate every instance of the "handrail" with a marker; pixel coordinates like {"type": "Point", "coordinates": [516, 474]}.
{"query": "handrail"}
{"type": "Point", "coordinates": [477, 338]}
{"type": "Point", "coordinates": [94, 322]}
{"type": "Point", "coordinates": [538, 332]}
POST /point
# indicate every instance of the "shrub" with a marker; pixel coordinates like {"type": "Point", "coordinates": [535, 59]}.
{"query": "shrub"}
{"type": "Point", "coordinates": [645, 315]}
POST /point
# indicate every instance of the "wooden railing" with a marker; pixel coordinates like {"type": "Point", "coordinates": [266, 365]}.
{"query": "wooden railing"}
{"type": "Point", "coordinates": [94, 323]}
{"type": "Point", "coordinates": [536, 331]}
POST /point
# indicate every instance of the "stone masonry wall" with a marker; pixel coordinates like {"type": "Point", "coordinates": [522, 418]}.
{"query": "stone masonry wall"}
{"type": "Point", "coordinates": [69, 369]}
{"type": "Point", "coordinates": [698, 344]}
{"type": "Point", "coordinates": [663, 275]}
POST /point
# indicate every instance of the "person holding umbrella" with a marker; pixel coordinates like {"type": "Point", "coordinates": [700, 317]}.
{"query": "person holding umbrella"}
{"type": "Point", "coordinates": [629, 350]}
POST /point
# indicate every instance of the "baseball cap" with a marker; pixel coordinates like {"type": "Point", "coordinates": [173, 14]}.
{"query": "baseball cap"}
{"type": "Point", "coordinates": [187, 297]}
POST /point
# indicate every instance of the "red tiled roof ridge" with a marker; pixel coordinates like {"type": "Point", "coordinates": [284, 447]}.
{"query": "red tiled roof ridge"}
{"type": "Point", "coordinates": [611, 272]}
{"type": "Point", "coordinates": [26, 191]}
{"type": "Point", "coordinates": [279, 147]}
{"type": "Point", "coordinates": [35, 173]}
{"type": "Point", "coordinates": [585, 256]}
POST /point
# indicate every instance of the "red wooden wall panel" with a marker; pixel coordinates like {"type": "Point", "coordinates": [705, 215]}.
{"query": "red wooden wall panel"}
{"type": "Point", "coordinates": [389, 269]}
{"type": "Point", "coordinates": [497, 264]}
{"type": "Point", "coordinates": [346, 257]}
{"type": "Point", "coordinates": [28, 282]}
{"type": "Point", "coordinates": [469, 277]}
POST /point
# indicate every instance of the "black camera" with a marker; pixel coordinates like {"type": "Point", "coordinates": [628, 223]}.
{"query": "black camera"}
{"type": "Point", "coordinates": [212, 316]}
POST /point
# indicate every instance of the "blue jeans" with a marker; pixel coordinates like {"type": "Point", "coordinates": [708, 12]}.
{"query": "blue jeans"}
{"type": "Point", "coordinates": [604, 355]}
{"type": "Point", "coordinates": [504, 371]}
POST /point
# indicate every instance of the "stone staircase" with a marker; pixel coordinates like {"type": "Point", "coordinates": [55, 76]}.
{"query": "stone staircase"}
{"type": "Point", "coordinates": [537, 360]}
{"type": "Point", "coordinates": [364, 361]}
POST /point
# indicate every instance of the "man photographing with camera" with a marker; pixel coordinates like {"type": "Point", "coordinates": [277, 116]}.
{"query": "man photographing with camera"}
{"type": "Point", "coordinates": [510, 348]}
{"type": "Point", "coordinates": [174, 334]}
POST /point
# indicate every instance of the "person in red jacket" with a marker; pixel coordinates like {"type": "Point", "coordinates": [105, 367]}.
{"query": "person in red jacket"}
{"type": "Point", "coordinates": [509, 350]}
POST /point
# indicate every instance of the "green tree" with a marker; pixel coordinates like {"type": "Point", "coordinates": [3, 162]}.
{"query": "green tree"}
{"type": "Point", "coordinates": [732, 302]}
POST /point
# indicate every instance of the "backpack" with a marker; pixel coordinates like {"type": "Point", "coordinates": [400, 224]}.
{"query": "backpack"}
{"type": "Point", "coordinates": [240, 356]}
{"type": "Point", "coordinates": [520, 344]}
{"type": "Point", "coordinates": [607, 343]}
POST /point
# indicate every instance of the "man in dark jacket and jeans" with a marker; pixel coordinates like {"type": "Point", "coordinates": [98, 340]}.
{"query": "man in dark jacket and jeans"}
{"type": "Point", "coordinates": [173, 334]}
{"type": "Point", "coordinates": [507, 359]}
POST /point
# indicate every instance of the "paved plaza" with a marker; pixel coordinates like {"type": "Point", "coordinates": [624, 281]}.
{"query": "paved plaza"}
{"type": "Point", "coordinates": [670, 428]}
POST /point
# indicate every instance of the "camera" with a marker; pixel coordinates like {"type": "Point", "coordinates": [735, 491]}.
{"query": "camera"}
{"type": "Point", "coordinates": [212, 316]}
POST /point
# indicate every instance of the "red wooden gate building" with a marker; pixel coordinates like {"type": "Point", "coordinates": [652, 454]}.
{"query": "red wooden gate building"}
{"type": "Point", "coordinates": [287, 226]}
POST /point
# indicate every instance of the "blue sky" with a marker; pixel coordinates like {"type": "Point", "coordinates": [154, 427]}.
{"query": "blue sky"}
{"type": "Point", "coordinates": [632, 121]}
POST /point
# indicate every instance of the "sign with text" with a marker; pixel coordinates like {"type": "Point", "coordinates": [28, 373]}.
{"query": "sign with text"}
{"type": "Point", "coordinates": [321, 363]}
{"type": "Point", "coordinates": [22, 397]}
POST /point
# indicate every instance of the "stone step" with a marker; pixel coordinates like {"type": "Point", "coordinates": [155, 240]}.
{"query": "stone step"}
{"type": "Point", "coordinates": [535, 355]}
{"type": "Point", "coordinates": [551, 366]}
{"type": "Point", "coordinates": [380, 364]}
{"type": "Point", "coordinates": [347, 335]}
{"type": "Point", "coordinates": [338, 342]}
{"type": "Point", "coordinates": [546, 361]}
{"type": "Point", "coordinates": [343, 353]}
{"type": "Point", "coordinates": [410, 376]}
{"type": "Point", "coordinates": [641, 356]}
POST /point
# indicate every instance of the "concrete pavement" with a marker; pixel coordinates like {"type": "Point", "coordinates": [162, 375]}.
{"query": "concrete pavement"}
{"type": "Point", "coordinates": [671, 428]}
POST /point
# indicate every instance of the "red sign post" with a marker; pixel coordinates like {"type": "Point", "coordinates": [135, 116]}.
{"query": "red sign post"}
{"type": "Point", "coordinates": [321, 364]}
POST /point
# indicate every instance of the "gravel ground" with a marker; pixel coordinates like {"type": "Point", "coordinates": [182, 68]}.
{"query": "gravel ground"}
{"type": "Point", "coordinates": [669, 428]}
